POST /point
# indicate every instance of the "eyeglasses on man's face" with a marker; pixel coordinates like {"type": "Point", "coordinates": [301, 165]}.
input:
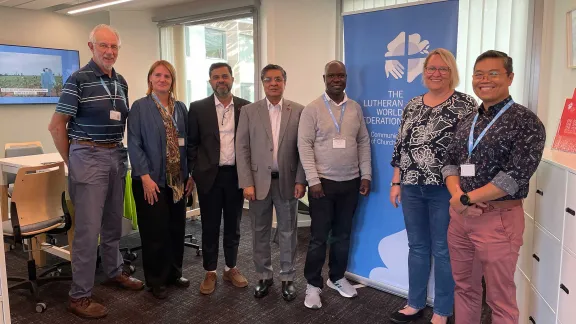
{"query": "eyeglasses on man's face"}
{"type": "Point", "coordinates": [490, 75]}
{"type": "Point", "coordinates": [276, 79]}
{"type": "Point", "coordinates": [104, 47]}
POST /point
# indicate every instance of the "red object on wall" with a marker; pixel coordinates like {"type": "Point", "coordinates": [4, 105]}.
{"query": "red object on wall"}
{"type": "Point", "coordinates": [565, 139]}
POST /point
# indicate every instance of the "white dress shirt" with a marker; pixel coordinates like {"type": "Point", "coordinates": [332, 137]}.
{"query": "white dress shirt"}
{"type": "Point", "coordinates": [226, 127]}
{"type": "Point", "coordinates": [275, 112]}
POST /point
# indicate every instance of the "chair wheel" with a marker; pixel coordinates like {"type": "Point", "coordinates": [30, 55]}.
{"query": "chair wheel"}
{"type": "Point", "coordinates": [198, 252]}
{"type": "Point", "coordinates": [40, 307]}
{"type": "Point", "coordinates": [130, 256]}
{"type": "Point", "coordinates": [132, 269]}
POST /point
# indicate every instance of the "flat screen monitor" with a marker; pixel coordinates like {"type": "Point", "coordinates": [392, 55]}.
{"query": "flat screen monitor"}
{"type": "Point", "coordinates": [33, 75]}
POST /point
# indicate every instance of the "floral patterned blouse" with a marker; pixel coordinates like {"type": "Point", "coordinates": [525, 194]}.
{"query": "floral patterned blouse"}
{"type": "Point", "coordinates": [425, 133]}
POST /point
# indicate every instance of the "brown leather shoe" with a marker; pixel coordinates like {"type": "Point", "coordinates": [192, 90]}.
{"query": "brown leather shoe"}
{"type": "Point", "coordinates": [86, 308]}
{"type": "Point", "coordinates": [234, 276]}
{"type": "Point", "coordinates": [207, 286]}
{"type": "Point", "coordinates": [124, 280]}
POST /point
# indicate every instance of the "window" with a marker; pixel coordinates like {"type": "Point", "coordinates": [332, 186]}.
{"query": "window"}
{"type": "Point", "coordinates": [247, 91]}
{"type": "Point", "coordinates": [246, 48]}
{"type": "Point", "coordinates": [215, 41]}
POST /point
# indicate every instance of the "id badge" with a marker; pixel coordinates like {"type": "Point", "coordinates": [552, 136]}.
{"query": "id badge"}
{"type": "Point", "coordinates": [181, 141]}
{"type": "Point", "coordinates": [467, 170]}
{"type": "Point", "coordinates": [115, 115]}
{"type": "Point", "coordinates": [339, 143]}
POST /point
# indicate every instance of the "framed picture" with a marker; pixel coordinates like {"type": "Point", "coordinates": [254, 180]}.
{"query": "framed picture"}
{"type": "Point", "coordinates": [571, 37]}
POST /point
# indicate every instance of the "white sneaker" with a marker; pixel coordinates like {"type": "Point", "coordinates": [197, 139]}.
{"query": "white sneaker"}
{"type": "Point", "coordinates": [343, 287]}
{"type": "Point", "coordinates": [312, 299]}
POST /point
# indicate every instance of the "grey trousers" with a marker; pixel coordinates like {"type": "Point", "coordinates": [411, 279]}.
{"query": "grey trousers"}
{"type": "Point", "coordinates": [261, 215]}
{"type": "Point", "coordinates": [97, 177]}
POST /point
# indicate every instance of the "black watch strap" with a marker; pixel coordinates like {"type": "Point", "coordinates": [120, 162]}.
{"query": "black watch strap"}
{"type": "Point", "coordinates": [394, 184]}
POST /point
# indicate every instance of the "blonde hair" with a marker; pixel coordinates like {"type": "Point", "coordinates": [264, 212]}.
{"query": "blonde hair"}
{"type": "Point", "coordinates": [449, 59]}
{"type": "Point", "coordinates": [172, 71]}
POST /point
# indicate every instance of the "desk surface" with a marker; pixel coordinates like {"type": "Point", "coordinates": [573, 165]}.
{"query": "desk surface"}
{"type": "Point", "coordinates": [31, 160]}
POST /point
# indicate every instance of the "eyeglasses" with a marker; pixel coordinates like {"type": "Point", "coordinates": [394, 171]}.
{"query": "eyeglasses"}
{"type": "Point", "coordinates": [104, 46]}
{"type": "Point", "coordinates": [490, 75]}
{"type": "Point", "coordinates": [224, 115]}
{"type": "Point", "coordinates": [277, 79]}
{"type": "Point", "coordinates": [444, 70]}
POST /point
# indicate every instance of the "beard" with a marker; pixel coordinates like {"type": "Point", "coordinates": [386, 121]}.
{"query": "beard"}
{"type": "Point", "coordinates": [108, 66]}
{"type": "Point", "coordinates": [222, 90]}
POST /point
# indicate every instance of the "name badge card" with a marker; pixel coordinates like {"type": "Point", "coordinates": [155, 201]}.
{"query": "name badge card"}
{"type": "Point", "coordinates": [181, 141]}
{"type": "Point", "coordinates": [115, 115]}
{"type": "Point", "coordinates": [339, 143]}
{"type": "Point", "coordinates": [467, 170]}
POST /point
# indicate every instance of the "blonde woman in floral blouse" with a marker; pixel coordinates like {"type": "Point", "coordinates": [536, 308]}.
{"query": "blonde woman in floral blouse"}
{"type": "Point", "coordinates": [427, 128]}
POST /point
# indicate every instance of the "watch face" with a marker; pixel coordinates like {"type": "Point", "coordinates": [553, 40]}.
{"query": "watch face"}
{"type": "Point", "coordinates": [465, 200]}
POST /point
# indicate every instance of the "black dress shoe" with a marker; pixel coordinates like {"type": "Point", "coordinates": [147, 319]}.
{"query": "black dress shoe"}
{"type": "Point", "coordinates": [262, 288]}
{"type": "Point", "coordinates": [160, 292]}
{"type": "Point", "coordinates": [181, 282]}
{"type": "Point", "coordinates": [288, 290]}
{"type": "Point", "coordinates": [400, 318]}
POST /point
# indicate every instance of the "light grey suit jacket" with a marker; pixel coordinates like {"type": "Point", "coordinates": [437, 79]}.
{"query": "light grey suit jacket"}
{"type": "Point", "coordinates": [254, 147]}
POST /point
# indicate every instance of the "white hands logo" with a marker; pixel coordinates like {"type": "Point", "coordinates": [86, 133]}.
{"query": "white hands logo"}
{"type": "Point", "coordinates": [397, 49]}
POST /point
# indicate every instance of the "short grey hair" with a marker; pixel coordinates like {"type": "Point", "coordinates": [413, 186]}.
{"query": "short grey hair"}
{"type": "Point", "coordinates": [92, 38]}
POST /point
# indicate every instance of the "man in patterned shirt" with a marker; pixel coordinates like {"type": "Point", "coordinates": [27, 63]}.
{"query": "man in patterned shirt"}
{"type": "Point", "coordinates": [88, 128]}
{"type": "Point", "coordinates": [487, 169]}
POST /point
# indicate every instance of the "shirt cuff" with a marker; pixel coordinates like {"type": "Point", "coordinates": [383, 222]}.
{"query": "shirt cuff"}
{"type": "Point", "coordinates": [367, 177]}
{"type": "Point", "coordinates": [450, 170]}
{"type": "Point", "coordinates": [505, 182]}
{"type": "Point", "coordinates": [313, 182]}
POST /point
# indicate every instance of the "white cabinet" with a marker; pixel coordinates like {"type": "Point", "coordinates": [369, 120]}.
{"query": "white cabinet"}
{"type": "Point", "coordinates": [526, 251]}
{"type": "Point", "coordinates": [550, 197]}
{"type": "Point", "coordinates": [539, 312]}
{"type": "Point", "coordinates": [567, 300]}
{"type": "Point", "coordinates": [569, 214]}
{"type": "Point", "coordinates": [523, 290]}
{"type": "Point", "coordinates": [546, 265]}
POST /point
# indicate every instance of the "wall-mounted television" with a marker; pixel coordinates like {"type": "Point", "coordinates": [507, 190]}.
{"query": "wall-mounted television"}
{"type": "Point", "coordinates": [33, 75]}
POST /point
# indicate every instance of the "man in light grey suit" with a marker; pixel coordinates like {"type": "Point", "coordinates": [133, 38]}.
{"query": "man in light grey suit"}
{"type": "Point", "coordinates": [270, 172]}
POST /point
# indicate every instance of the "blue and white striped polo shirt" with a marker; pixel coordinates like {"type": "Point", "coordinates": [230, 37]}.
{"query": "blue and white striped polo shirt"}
{"type": "Point", "coordinates": [86, 99]}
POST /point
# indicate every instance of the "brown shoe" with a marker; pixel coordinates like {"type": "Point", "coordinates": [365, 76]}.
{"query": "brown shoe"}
{"type": "Point", "coordinates": [86, 308]}
{"type": "Point", "coordinates": [124, 280]}
{"type": "Point", "coordinates": [207, 286]}
{"type": "Point", "coordinates": [234, 276]}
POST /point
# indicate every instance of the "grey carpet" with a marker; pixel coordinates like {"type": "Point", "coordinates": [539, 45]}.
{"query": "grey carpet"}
{"type": "Point", "coordinates": [227, 305]}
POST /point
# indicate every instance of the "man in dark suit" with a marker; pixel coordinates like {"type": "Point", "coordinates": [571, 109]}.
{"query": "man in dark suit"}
{"type": "Point", "coordinates": [212, 124]}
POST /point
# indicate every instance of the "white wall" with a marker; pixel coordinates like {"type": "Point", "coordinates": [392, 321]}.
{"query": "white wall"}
{"type": "Point", "coordinates": [300, 36]}
{"type": "Point", "coordinates": [558, 81]}
{"type": "Point", "coordinates": [19, 123]}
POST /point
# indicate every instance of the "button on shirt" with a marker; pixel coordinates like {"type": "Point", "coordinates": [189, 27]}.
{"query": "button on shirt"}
{"type": "Point", "coordinates": [226, 127]}
{"type": "Point", "coordinates": [87, 101]}
{"type": "Point", "coordinates": [275, 112]}
{"type": "Point", "coordinates": [508, 154]}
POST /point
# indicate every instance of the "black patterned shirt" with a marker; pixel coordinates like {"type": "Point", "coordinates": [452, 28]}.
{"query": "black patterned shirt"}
{"type": "Point", "coordinates": [506, 156]}
{"type": "Point", "coordinates": [424, 134]}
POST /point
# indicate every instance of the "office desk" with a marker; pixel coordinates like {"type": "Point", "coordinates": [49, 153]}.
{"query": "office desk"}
{"type": "Point", "coordinates": [12, 165]}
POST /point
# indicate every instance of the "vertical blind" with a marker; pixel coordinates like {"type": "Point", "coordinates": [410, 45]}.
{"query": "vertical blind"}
{"type": "Point", "coordinates": [482, 25]}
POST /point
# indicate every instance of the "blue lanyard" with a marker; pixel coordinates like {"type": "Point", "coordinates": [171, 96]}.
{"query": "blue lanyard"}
{"type": "Point", "coordinates": [174, 121]}
{"type": "Point", "coordinates": [338, 125]}
{"type": "Point", "coordinates": [113, 99]}
{"type": "Point", "coordinates": [471, 144]}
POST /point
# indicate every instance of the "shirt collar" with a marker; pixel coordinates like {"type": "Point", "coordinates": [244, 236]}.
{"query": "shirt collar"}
{"type": "Point", "coordinates": [98, 72]}
{"type": "Point", "coordinates": [337, 104]}
{"type": "Point", "coordinates": [493, 110]}
{"type": "Point", "coordinates": [218, 103]}
{"type": "Point", "coordinates": [270, 105]}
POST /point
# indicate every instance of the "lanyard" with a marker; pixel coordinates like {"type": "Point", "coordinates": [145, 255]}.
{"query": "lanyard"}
{"type": "Point", "coordinates": [174, 121]}
{"type": "Point", "coordinates": [471, 144]}
{"type": "Point", "coordinates": [338, 125]}
{"type": "Point", "coordinates": [110, 94]}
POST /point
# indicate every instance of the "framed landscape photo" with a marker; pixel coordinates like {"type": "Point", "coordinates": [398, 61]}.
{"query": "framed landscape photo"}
{"type": "Point", "coordinates": [571, 37]}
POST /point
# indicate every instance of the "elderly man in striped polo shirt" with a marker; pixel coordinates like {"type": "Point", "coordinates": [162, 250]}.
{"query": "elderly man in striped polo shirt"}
{"type": "Point", "coordinates": [88, 128]}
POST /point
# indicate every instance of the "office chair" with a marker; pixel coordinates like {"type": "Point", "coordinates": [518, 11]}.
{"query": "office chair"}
{"type": "Point", "coordinates": [38, 207]}
{"type": "Point", "coordinates": [192, 241]}
{"type": "Point", "coordinates": [20, 149]}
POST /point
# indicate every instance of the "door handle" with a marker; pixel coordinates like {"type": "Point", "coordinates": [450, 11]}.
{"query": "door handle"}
{"type": "Point", "coordinates": [540, 192]}
{"type": "Point", "coordinates": [570, 211]}
{"type": "Point", "coordinates": [536, 257]}
{"type": "Point", "coordinates": [532, 320]}
{"type": "Point", "coordinates": [565, 289]}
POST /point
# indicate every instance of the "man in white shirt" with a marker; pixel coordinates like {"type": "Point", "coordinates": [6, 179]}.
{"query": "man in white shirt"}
{"type": "Point", "coordinates": [212, 124]}
{"type": "Point", "coordinates": [270, 172]}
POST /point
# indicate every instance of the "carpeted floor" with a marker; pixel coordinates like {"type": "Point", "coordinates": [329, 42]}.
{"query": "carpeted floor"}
{"type": "Point", "coordinates": [227, 305]}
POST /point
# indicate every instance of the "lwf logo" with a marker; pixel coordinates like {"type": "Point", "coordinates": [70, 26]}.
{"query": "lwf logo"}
{"type": "Point", "coordinates": [397, 59]}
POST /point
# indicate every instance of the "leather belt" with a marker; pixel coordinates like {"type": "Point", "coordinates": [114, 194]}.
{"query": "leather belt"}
{"type": "Point", "coordinates": [505, 203]}
{"type": "Point", "coordinates": [92, 143]}
{"type": "Point", "coordinates": [275, 175]}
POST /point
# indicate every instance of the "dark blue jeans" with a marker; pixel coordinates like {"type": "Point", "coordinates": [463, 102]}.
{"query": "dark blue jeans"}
{"type": "Point", "coordinates": [426, 214]}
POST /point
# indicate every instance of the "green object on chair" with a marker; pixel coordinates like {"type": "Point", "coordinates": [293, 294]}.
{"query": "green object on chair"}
{"type": "Point", "coordinates": [129, 204]}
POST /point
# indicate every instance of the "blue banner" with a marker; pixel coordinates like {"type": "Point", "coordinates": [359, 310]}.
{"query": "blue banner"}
{"type": "Point", "coordinates": [385, 52]}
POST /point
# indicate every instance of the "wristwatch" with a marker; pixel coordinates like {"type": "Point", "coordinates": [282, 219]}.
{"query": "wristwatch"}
{"type": "Point", "coordinates": [392, 184]}
{"type": "Point", "coordinates": [465, 200]}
